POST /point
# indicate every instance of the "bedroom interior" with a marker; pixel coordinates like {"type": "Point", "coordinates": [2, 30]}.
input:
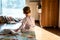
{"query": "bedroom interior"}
{"type": "Point", "coordinates": [45, 12]}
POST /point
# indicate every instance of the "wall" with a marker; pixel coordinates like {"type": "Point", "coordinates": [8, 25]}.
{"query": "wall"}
{"type": "Point", "coordinates": [34, 9]}
{"type": "Point", "coordinates": [59, 13]}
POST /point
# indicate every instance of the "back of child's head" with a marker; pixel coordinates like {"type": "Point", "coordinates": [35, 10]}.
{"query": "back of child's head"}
{"type": "Point", "coordinates": [26, 10]}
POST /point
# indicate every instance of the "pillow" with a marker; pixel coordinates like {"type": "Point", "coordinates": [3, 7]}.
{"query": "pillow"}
{"type": "Point", "coordinates": [8, 19]}
{"type": "Point", "coordinates": [3, 19]}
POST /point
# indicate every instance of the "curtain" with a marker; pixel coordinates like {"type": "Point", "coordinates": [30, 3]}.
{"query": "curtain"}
{"type": "Point", "coordinates": [13, 8]}
{"type": "Point", "coordinates": [0, 7]}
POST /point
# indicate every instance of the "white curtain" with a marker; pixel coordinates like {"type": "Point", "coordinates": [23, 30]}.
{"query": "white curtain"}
{"type": "Point", "coordinates": [13, 8]}
{"type": "Point", "coordinates": [0, 7]}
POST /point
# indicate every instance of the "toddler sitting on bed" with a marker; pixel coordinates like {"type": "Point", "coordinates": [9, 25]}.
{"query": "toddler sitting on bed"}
{"type": "Point", "coordinates": [28, 21]}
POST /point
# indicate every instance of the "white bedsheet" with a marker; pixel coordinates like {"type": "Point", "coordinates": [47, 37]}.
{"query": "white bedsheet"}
{"type": "Point", "coordinates": [10, 26]}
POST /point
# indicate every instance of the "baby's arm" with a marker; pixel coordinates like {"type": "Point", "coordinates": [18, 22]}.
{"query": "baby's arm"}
{"type": "Point", "coordinates": [22, 26]}
{"type": "Point", "coordinates": [19, 28]}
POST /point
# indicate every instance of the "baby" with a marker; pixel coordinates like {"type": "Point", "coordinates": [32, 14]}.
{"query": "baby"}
{"type": "Point", "coordinates": [28, 21]}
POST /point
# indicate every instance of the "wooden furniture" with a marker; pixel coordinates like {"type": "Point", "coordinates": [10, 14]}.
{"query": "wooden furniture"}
{"type": "Point", "coordinates": [50, 13]}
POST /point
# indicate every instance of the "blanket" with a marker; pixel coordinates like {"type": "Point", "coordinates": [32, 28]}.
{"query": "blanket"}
{"type": "Point", "coordinates": [21, 36]}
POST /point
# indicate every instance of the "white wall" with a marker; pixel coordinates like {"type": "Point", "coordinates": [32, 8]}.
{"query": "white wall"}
{"type": "Point", "coordinates": [59, 13]}
{"type": "Point", "coordinates": [34, 9]}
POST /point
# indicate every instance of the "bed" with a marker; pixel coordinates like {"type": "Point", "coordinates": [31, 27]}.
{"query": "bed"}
{"type": "Point", "coordinates": [21, 36]}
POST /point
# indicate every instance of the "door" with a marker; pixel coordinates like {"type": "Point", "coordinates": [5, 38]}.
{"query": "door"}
{"type": "Point", "coordinates": [50, 12]}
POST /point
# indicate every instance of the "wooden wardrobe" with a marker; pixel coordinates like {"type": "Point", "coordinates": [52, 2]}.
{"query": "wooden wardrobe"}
{"type": "Point", "coordinates": [50, 13]}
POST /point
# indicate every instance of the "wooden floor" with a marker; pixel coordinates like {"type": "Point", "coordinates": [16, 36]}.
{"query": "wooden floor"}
{"type": "Point", "coordinates": [55, 31]}
{"type": "Point", "coordinates": [42, 34]}
{"type": "Point", "coordinates": [47, 33]}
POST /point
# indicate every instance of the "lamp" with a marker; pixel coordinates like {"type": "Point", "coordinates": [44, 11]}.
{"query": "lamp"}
{"type": "Point", "coordinates": [39, 9]}
{"type": "Point", "coordinates": [39, 6]}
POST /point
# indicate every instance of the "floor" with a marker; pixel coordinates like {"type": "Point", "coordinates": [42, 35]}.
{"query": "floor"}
{"type": "Point", "coordinates": [53, 30]}
{"type": "Point", "coordinates": [42, 34]}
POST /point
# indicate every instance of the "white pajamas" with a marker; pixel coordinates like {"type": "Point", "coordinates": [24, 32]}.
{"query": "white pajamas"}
{"type": "Point", "coordinates": [27, 22]}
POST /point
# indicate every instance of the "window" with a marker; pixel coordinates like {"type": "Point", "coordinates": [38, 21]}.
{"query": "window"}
{"type": "Point", "coordinates": [12, 8]}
